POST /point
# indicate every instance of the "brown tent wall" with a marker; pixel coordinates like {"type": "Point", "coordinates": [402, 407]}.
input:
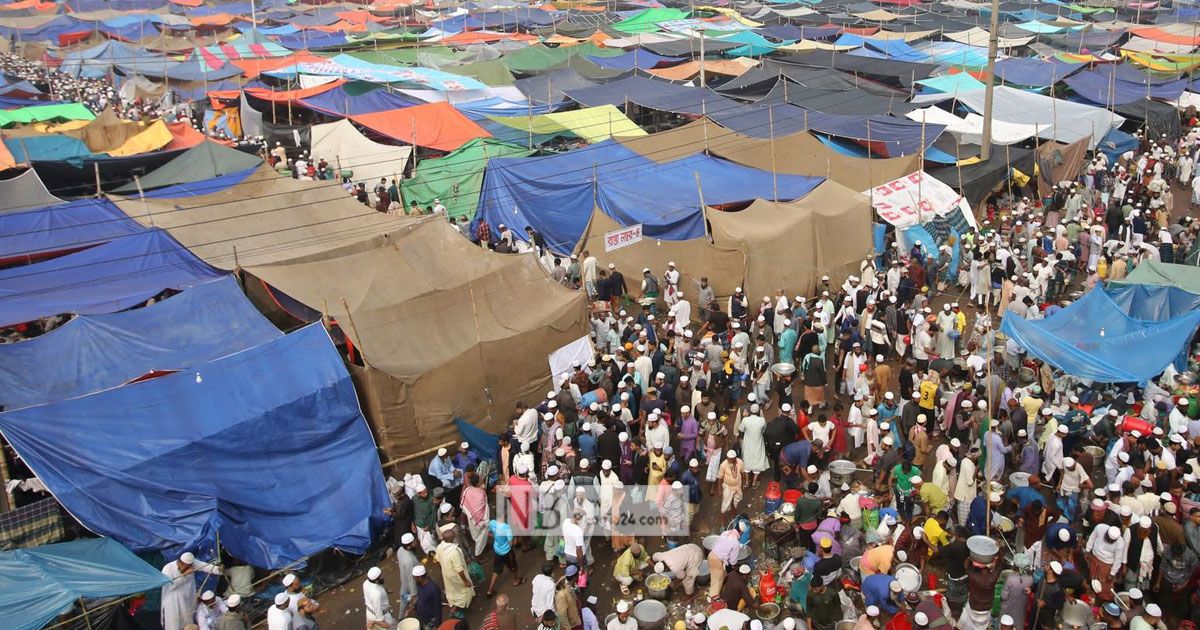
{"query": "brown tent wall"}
{"type": "Point", "coordinates": [790, 245]}
{"type": "Point", "coordinates": [447, 329]}
{"type": "Point", "coordinates": [793, 154]}
{"type": "Point", "coordinates": [1060, 162]}
{"type": "Point", "coordinates": [724, 266]}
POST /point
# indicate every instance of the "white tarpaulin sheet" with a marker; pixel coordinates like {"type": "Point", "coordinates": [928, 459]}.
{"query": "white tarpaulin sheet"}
{"type": "Point", "coordinates": [976, 36]}
{"type": "Point", "coordinates": [563, 360]}
{"type": "Point", "coordinates": [916, 199]}
{"type": "Point", "coordinates": [969, 130]}
{"type": "Point", "coordinates": [1054, 118]}
{"type": "Point", "coordinates": [342, 145]}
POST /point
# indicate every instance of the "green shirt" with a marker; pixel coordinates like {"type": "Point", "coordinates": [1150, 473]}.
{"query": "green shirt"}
{"type": "Point", "coordinates": [904, 477]}
{"type": "Point", "coordinates": [808, 509]}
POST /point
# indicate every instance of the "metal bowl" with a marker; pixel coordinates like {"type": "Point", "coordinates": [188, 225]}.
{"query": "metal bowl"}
{"type": "Point", "coordinates": [842, 467]}
{"type": "Point", "coordinates": [784, 369]}
{"type": "Point", "coordinates": [1019, 479]}
{"type": "Point", "coordinates": [983, 548]}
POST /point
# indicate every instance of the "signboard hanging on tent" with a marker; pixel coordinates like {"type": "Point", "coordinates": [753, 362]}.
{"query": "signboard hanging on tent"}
{"type": "Point", "coordinates": [915, 199]}
{"type": "Point", "coordinates": [623, 237]}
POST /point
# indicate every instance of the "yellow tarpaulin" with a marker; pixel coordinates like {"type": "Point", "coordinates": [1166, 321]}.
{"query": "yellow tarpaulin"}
{"type": "Point", "coordinates": [1163, 62]}
{"type": "Point", "coordinates": [809, 44]}
{"type": "Point", "coordinates": [152, 138]}
{"type": "Point", "coordinates": [593, 124]}
{"type": "Point", "coordinates": [731, 14]}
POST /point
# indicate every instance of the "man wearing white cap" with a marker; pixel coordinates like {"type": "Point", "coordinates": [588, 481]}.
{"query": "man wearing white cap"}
{"type": "Point", "coordinates": [233, 618]}
{"type": "Point", "coordinates": [209, 610]}
{"type": "Point", "coordinates": [624, 619]}
{"type": "Point", "coordinates": [301, 606]}
{"type": "Point", "coordinates": [868, 620]}
{"type": "Point", "coordinates": [179, 595]}
{"type": "Point", "coordinates": [279, 616]}
{"type": "Point", "coordinates": [1105, 549]}
{"type": "Point", "coordinates": [730, 476]}
{"type": "Point", "coordinates": [406, 560]}
{"type": "Point", "coordinates": [1052, 455]}
{"type": "Point", "coordinates": [455, 582]}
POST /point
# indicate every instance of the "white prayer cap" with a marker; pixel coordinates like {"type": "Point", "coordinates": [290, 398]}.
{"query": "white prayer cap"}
{"type": "Point", "coordinates": [955, 443]}
{"type": "Point", "coordinates": [785, 407]}
{"type": "Point", "coordinates": [1135, 593]}
{"type": "Point", "coordinates": [994, 497]}
{"type": "Point", "coordinates": [887, 426]}
{"type": "Point", "coordinates": [712, 415]}
{"type": "Point", "coordinates": [889, 396]}
{"type": "Point", "coordinates": [788, 624]}
{"type": "Point", "coordinates": [967, 404]}
{"type": "Point", "coordinates": [694, 462]}
{"type": "Point", "coordinates": [684, 409]}
{"type": "Point", "coordinates": [916, 480]}
{"type": "Point", "coordinates": [289, 579]}
{"type": "Point", "coordinates": [872, 611]}
{"type": "Point", "coordinates": [407, 538]}
{"type": "Point", "coordinates": [552, 471]}
{"type": "Point", "coordinates": [1123, 456]}
{"type": "Point", "coordinates": [1144, 522]}
{"type": "Point", "coordinates": [233, 600]}
{"type": "Point", "coordinates": [732, 454]}
{"type": "Point", "coordinates": [918, 532]}
{"type": "Point", "coordinates": [464, 446]}
{"type": "Point", "coordinates": [441, 452]}
{"type": "Point", "coordinates": [282, 598]}
{"type": "Point", "coordinates": [587, 426]}
{"type": "Point", "coordinates": [1113, 412]}
{"type": "Point", "coordinates": [1135, 433]}
{"type": "Point", "coordinates": [1112, 532]}
{"type": "Point", "coordinates": [418, 570]}
{"type": "Point", "coordinates": [522, 469]}
{"type": "Point", "coordinates": [1069, 462]}
{"type": "Point", "coordinates": [208, 596]}
{"type": "Point", "coordinates": [596, 406]}
{"type": "Point", "coordinates": [1062, 428]}
{"type": "Point", "coordinates": [1097, 504]}
{"type": "Point", "coordinates": [559, 484]}
{"type": "Point", "coordinates": [622, 606]}
{"type": "Point", "coordinates": [812, 469]}
{"type": "Point", "coordinates": [894, 586]}
{"type": "Point", "coordinates": [1056, 567]}
{"type": "Point", "coordinates": [744, 569]}
{"type": "Point", "coordinates": [1074, 400]}
{"type": "Point", "coordinates": [888, 440]}
{"type": "Point", "coordinates": [1153, 610]}
{"type": "Point", "coordinates": [553, 404]}
{"type": "Point", "coordinates": [445, 508]}
{"type": "Point", "coordinates": [623, 436]}
{"type": "Point", "coordinates": [1007, 620]}
{"type": "Point", "coordinates": [606, 464]}
{"type": "Point", "coordinates": [187, 557]}
{"type": "Point", "coordinates": [545, 416]}
{"type": "Point", "coordinates": [1166, 497]}
{"type": "Point", "coordinates": [616, 407]}
{"type": "Point", "coordinates": [1065, 534]}
{"type": "Point", "coordinates": [754, 408]}
{"type": "Point", "coordinates": [583, 463]}
{"type": "Point", "coordinates": [921, 619]}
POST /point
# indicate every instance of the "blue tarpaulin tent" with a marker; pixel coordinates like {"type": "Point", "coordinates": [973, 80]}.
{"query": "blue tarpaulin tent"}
{"type": "Point", "coordinates": [1152, 303]}
{"type": "Point", "coordinates": [1033, 72]}
{"type": "Point", "coordinates": [106, 278]}
{"type": "Point", "coordinates": [39, 584]}
{"type": "Point", "coordinates": [266, 448]}
{"type": "Point", "coordinates": [95, 352]}
{"type": "Point", "coordinates": [1094, 338]}
{"type": "Point", "coordinates": [1102, 90]}
{"type": "Point", "coordinates": [660, 95]}
{"type": "Point", "coordinates": [340, 102]}
{"type": "Point", "coordinates": [66, 227]}
{"type": "Point", "coordinates": [48, 147]}
{"type": "Point", "coordinates": [555, 194]}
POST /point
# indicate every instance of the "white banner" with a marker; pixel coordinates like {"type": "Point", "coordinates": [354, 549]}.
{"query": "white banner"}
{"type": "Point", "coordinates": [561, 360]}
{"type": "Point", "coordinates": [623, 237]}
{"type": "Point", "coordinates": [915, 199]}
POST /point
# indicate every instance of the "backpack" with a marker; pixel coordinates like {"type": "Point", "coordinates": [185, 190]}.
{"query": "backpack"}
{"type": "Point", "coordinates": [651, 284]}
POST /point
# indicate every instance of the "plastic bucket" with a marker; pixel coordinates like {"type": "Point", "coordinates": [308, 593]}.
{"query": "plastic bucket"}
{"type": "Point", "coordinates": [791, 496]}
{"type": "Point", "coordinates": [770, 505]}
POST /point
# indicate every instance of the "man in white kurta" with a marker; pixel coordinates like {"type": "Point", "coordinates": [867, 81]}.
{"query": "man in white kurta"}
{"type": "Point", "coordinates": [179, 595]}
{"type": "Point", "coordinates": [377, 605]}
{"type": "Point", "coordinates": [279, 616]}
{"type": "Point", "coordinates": [682, 312]}
{"type": "Point", "coordinates": [455, 582]}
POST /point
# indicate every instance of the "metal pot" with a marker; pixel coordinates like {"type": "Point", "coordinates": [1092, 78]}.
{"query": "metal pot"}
{"type": "Point", "coordinates": [983, 549]}
{"type": "Point", "coordinates": [659, 593]}
{"type": "Point", "coordinates": [767, 612]}
{"type": "Point", "coordinates": [650, 615]}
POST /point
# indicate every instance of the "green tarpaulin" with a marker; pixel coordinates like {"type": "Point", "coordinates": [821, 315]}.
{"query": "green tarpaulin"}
{"type": "Point", "coordinates": [1185, 277]}
{"type": "Point", "coordinates": [408, 56]}
{"type": "Point", "coordinates": [647, 21]}
{"type": "Point", "coordinates": [202, 162]}
{"type": "Point", "coordinates": [538, 58]}
{"type": "Point", "coordinates": [456, 178]}
{"type": "Point", "coordinates": [493, 72]}
{"type": "Point", "coordinates": [43, 113]}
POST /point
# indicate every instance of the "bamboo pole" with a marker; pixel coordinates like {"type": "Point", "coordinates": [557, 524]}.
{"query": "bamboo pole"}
{"type": "Point", "coordinates": [408, 458]}
{"type": "Point", "coordinates": [774, 170]}
{"type": "Point", "coordinates": [354, 329]}
{"type": "Point", "coordinates": [142, 195]}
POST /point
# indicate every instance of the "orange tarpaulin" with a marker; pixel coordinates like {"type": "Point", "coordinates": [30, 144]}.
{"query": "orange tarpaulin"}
{"type": "Point", "coordinates": [283, 96]}
{"type": "Point", "coordinates": [486, 37]}
{"type": "Point", "coordinates": [434, 125]}
{"type": "Point", "coordinates": [185, 136]}
{"type": "Point", "coordinates": [217, 19]}
{"type": "Point", "coordinates": [360, 17]}
{"type": "Point", "coordinates": [6, 158]}
{"type": "Point", "coordinates": [36, 5]}
{"type": "Point", "coordinates": [341, 26]}
{"type": "Point", "coordinates": [1159, 35]}
{"type": "Point", "coordinates": [188, 3]}
{"type": "Point", "coordinates": [688, 69]}
{"type": "Point", "coordinates": [254, 67]}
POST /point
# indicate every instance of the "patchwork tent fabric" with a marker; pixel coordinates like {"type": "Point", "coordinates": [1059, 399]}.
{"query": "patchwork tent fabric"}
{"type": "Point", "coordinates": [446, 329]}
{"type": "Point", "coordinates": [1095, 339]}
{"type": "Point", "coordinates": [103, 279]}
{"type": "Point", "coordinates": [95, 352]}
{"type": "Point", "coordinates": [264, 218]}
{"type": "Point", "coordinates": [235, 424]}
{"type": "Point", "coordinates": [43, 582]}
{"type": "Point", "coordinates": [342, 145]}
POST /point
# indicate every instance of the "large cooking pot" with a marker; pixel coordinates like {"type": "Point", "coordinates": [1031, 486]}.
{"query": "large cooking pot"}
{"type": "Point", "coordinates": [650, 614]}
{"type": "Point", "coordinates": [909, 577]}
{"type": "Point", "coordinates": [983, 549]}
{"type": "Point", "coordinates": [658, 586]}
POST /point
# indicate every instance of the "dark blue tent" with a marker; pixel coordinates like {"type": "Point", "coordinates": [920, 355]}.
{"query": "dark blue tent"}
{"type": "Point", "coordinates": [1034, 72]}
{"type": "Point", "coordinates": [103, 279]}
{"type": "Point", "coordinates": [266, 449]}
{"type": "Point", "coordinates": [74, 225]}
{"type": "Point", "coordinates": [95, 352]}
{"type": "Point", "coordinates": [1101, 90]}
{"type": "Point", "coordinates": [340, 102]}
{"type": "Point", "coordinates": [555, 194]}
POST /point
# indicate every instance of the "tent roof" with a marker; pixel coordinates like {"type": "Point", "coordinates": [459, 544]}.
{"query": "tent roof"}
{"type": "Point", "coordinates": [25, 191]}
{"type": "Point", "coordinates": [106, 278]}
{"type": "Point", "coordinates": [202, 162]}
{"type": "Point", "coordinates": [42, 113]}
{"type": "Point", "coordinates": [1094, 338]}
{"type": "Point", "coordinates": [95, 352]}
{"type": "Point", "coordinates": [447, 328]}
{"type": "Point", "coordinates": [344, 146]}
{"type": "Point", "coordinates": [1155, 273]}
{"type": "Point", "coordinates": [43, 582]}
{"type": "Point", "coordinates": [456, 178]}
{"type": "Point", "coordinates": [240, 426]}
{"type": "Point", "coordinates": [262, 219]}
{"type": "Point", "coordinates": [433, 125]}
{"type": "Point", "coordinates": [61, 227]}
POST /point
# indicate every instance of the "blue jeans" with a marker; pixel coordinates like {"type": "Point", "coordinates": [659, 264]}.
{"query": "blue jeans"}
{"type": "Point", "coordinates": [1069, 504]}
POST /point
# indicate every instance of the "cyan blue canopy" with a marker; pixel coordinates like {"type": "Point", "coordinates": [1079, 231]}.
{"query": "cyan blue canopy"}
{"type": "Point", "coordinates": [266, 448]}
{"type": "Point", "coordinates": [556, 194]}
{"type": "Point", "coordinates": [38, 232]}
{"type": "Point", "coordinates": [95, 352]}
{"type": "Point", "coordinates": [106, 278]}
{"type": "Point", "coordinates": [1152, 303]}
{"type": "Point", "coordinates": [1094, 338]}
{"type": "Point", "coordinates": [38, 584]}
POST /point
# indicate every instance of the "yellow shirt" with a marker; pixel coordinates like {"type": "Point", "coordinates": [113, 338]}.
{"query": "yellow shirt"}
{"type": "Point", "coordinates": [933, 496]}
{"type": "Point", "coordinates": [928, 391]}
{"type": "Point", "coordinates": [960, 321]}
{"type": "Point", "coordinates": [935, 534]}
{"type": "Point", "coordinates": [1032, 405]}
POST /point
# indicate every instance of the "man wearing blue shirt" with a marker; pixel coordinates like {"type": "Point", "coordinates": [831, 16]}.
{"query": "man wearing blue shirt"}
{"type": "Point", "coordinates": [502, 537]}
{"type": "Point", "coordinates": [881, 590]}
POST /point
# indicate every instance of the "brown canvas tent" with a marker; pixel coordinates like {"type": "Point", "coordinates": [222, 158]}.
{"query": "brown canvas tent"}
{"type": "Point", "coordinates": [266, 218]}
{"type": "Point", "coordinates": [446, 329]}
{"type": "Point", "coordinates": [724, 266]}
{"type": "Point", "coordinates": [790, 245]}
{"type": "Point", "coordinates": [1060, 162]}
{"type": "Point", "coordinates": [794, 154]}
